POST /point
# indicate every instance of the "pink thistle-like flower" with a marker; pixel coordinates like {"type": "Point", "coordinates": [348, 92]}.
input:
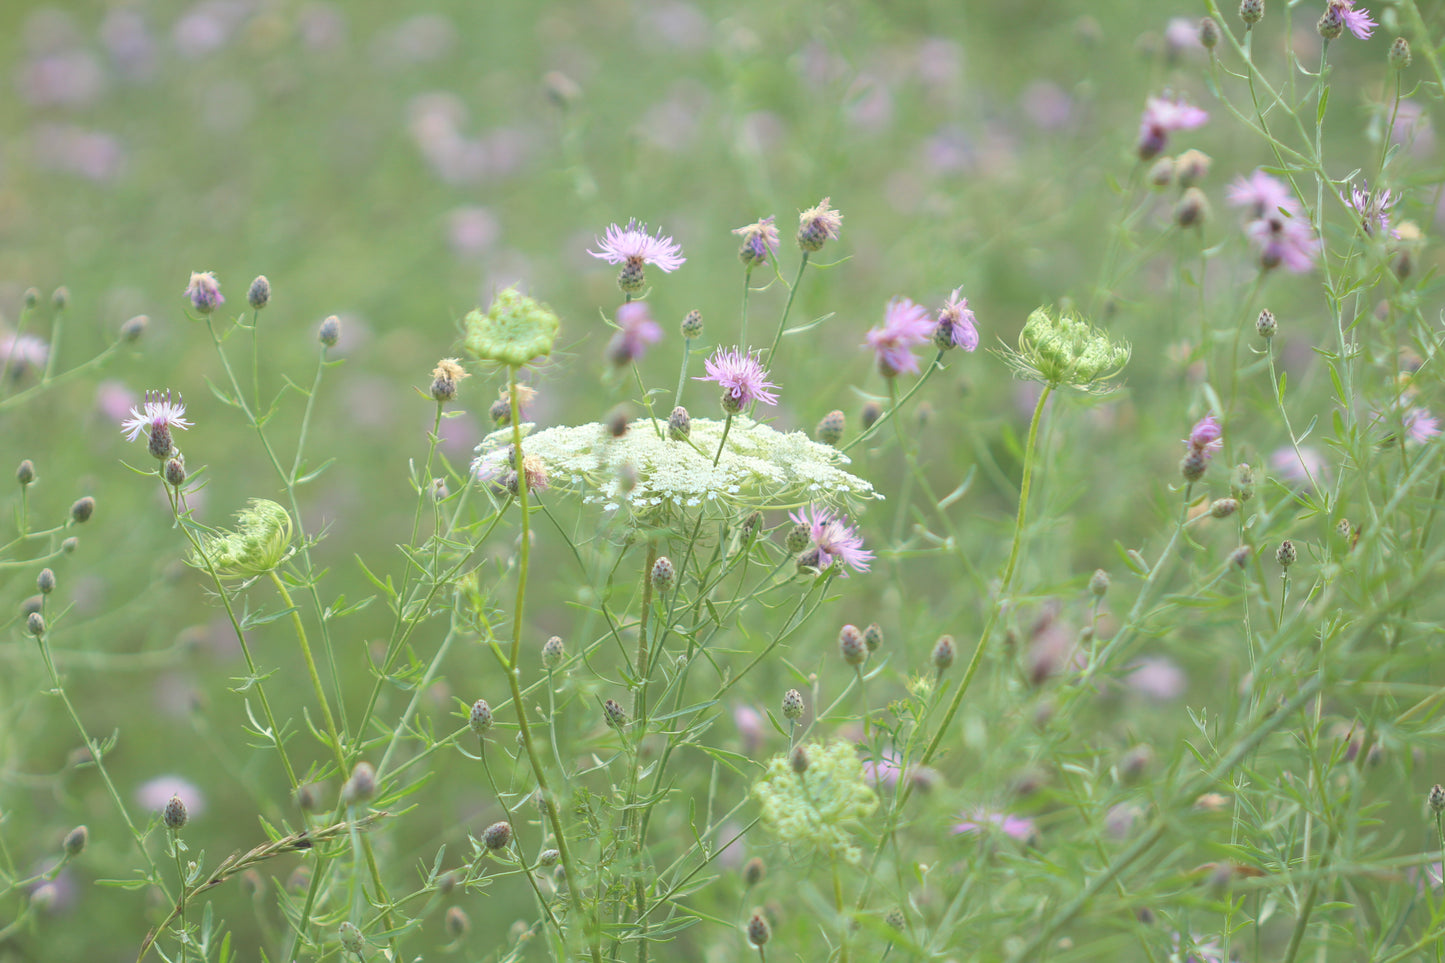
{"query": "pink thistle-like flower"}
{"type": "Point", "coordinates": [21, 352]}
{"type": "Point", "coordinates": [1287, 241]}
{"type": "Point", "coordinates": [205, 292]}
{"type": "Point", "coordinates": [883, 771]}
{"type": "Point", "coordinates": [818, 225]}
{"type": "Point", "coordinates": [1299, 467]}
{"type": "Point", "coordinates": [1420, 425]}
{"type": "Point", "coordinates": [1205, 435]}
{"type": "Point", "coordinates": [1357, 22]}
{"type": "Point", "coordinates": [760, 239]}
{"type": "Point", "coordinates": [1161, 117]}
{"type": "Point", "coordinates": [1261, 195]}
{"type": "Point", "coordinates": [742, 378]}
{"type": "Point", "coordinates": [976, 821]}
{"type": "Point", "coordinates": [156, 419]}
{"type": "Point", "coordinates": [1373, 208]}
{"type": "Point", "coordinates": [635, 331]}
{"type": "Point", "coordinates": [905, 325]}
{"type": "Point", "coordinates": [956, 325]}
{"type": "Point", "coordinates": [833, 538]}
{"type": "Point", "coordinates": [633, 245]}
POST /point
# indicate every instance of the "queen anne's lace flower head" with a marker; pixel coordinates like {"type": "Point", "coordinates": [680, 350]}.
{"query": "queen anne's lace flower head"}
{"type": "Point", "coordinates": [760, 467]}
{"type": "Point", "coordinates": [817, 807]}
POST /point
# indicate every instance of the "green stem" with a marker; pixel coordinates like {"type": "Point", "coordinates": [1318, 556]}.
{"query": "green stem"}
{"type": "Point", "coordinates": [788, 307]}
{"type": "Point", "coordinates": [747, 290]}
{"type": "Point", "coordinates": [937, 365]}
{"type": "Point", "coordinates": [682, 372]}
{"type": "Point", "coordinates": [181, 905]}
{"type": "Point", "coordinates": [727, 426]}
{"type": "Point", "coordinates": [300, 629]}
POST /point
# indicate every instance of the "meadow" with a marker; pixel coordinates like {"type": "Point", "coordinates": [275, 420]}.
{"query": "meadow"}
{"type": "Point", "coordinates": [647, 480]}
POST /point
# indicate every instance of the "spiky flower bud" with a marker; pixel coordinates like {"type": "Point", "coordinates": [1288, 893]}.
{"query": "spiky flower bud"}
{"type": "Point", "coordinates": [943, 653]}
{"type": "Point", "coordinates": [361, 787]}
{"type": "Point", "coordinates": [83, 508]}
{"type": "Point", "coordinates": [445, 378]}
{"type": "Point", "coordinates": [1208, 33]}
{"type": "Point", "coordinates": [175, 472]}
{"type": "Point", "coordinates": [1265, 324]}
{"type": "Point", "coordinates": [497, 836]}
{"type": "Point", "coordinates": [1286, 554]}
{"type": "Point", "coordinates": [817, 226]}
{"type": "Point", "coordinates": [553, 651]}
{"type": "Point", "coordinates": [798, 538]}
{"type": "Point", "coordinates": [1251, 11]}
{"type": "Point", "coordinates": [45, 581]}
{"type": "Point", "coordinates": [549, 857]}
{"type": "Point", "coordinates": [1099, 583]}
{"type": "Point", "coordinates": [896, 919]}
{"type": "Point", "coordinates": [1241, 483]}
{"type": "Point", "coordinates": [479, 720]}
{"type": "Point", "coordinates": [1192, 209]}
{"type": "Point", "coordinates": [1331, 23]}
{"type": "Point", "coordinates": [457, 923]}
{"type": "Point", "coordinates": [830, 428]}
{"type": "Point", "coordinates": [25, 473]}
{"type": "Point", "coordinates": [1400, 53]}
{"type": "Point", "coordinates": [132, 328]}
{"type": "Point", "coordinates": [758, 930]}
{"type": "Point", "coordinates": [35, 624]}
{"type": "Point", "coordinates": [174, 815]}
{"type": "Point", "coordinates": [798, 760]}
{"type": "Point", "coordinates": [851, 645]}
{"type": "Point", "coordinates": [351, 940]}
{"type": "Point", "coordinates": [75, 841]}
{"type": "Point", "coordinates": [754, 871]}
{"type": "Point", "coordinates": [258, 295]}
{"type": "Point", "coordinates": [679, 423]}
{"type": "Point", "coordinates": [691, 326]}
{"type": "Point", "coordinates": [873, 636]}
{"type": "Point", "coordinates": [1437, 798]}
{"type": "Point", "coordinates": [662, 573]}
{"type": "Point", "coordinates": [615, 714]}
{"type": "Point", "coordinates": [1193, 464]}
{"type": "Point", "coordinates": [1239, 558]}
{"type": "Point", "coordinates": [1223, 507]}
{"type": "Point", "coordinates": [204, 292]}
{"type": "Point", "coordinates": [330, 331]}
{"type": "Point", "coordinates": [793, 705]}
{"type": "Point", "coordinates": [70, 545]}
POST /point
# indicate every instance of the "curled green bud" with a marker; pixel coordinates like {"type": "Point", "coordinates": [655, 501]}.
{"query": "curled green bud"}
{"type": "Point", "coordinates": [1066, 350]}
{"type": "Point", "coordinates": [515, 330]}
{"type": "Point", "coordinates": [261, 541]}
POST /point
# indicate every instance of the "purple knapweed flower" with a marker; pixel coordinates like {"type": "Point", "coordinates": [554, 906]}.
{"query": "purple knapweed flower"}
{"type": "Point", "coordinates": [760, 240]}
{"type": "Point", "coordinates": [1357, 22]}
{"type": "Point", "coordinates": [1205, 435]}
{"type": "Point", "coordinates": [976, 821]}
{"type": "Point", "coordinates": [1420, 425]}
{"type": "Point", "coordinates": [204, 292]}
{"type": "Point", "coordinates": [21, 352]}
{"type": "Point", "coordinates": [1300, 467]}
{"type": "Point", "coordinates": [1373, 208]}
{"type": "Point", "coordinates": [635, 331]}
{"type": "Point", "coordinates": [1160, 118]}
{"type": "Point", "coordinates": [154, 794]}
{"type": "Point", "coordinates": [742, 378]}
{"type": "Point", "coordinates": [1261, 195]}
{"type": "Point", "coordinates": [956, 325]}
{"type": "Point", "coordinates": [1277, 226]}
{"type": "Point", "coordinates": [833, 538]}
{"type": "Point", "coordinates": [156, 419]}
{"type": "Point", "coordinates": [905, 325]}
{"type": "Point", "coordinates": [818, 225]}
{"type": "Point", "coordinates": [634, 246]}
{"type": "Point", "coordinates": [883, 771]}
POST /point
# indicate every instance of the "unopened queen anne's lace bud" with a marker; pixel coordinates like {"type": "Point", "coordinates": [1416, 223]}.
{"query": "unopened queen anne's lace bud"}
{"type": "Point", "coordinates": [817, 808]}
{"type": "Point", "coordinates": [260, 542]}
{"type": "Point", "coordinates": [1064, 350]}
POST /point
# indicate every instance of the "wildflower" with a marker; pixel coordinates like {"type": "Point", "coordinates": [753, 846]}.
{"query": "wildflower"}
{"type": "Point", "coordinates": [851, 646]}
{"type": "Point", "coordinates": [445, 377]}
{"type": "Point", "coordinates": [1206, 435]}
{"type": "Point", "coordinates": [817, 809]}
{"type": "Point", "coordinates": [514, 331]}
{"type": "Point", "coordinates": [1067, 350]}
{"type": "Point", "coordinates": [1161, 117]}
{"type": "Point", "coordinates": [1261, 195]}
{"type": "Point", "coordinates": [22, 352]}
{"type": "Point", "coordinates": [479, 720]}
{"type": "Point", "coordinates": [758, 930]}
{"type": "Point", "coordinates": [750, 727]}
{"type": "Point", "coordinates": [905, 325]}
{"type": "Point", "coordinates": [742, 378]}
{"type": "Point", "coordinates": [75, 841]}
{"type": "Point", "coordinates": [1357, 22]}
{"type": "Point", "coordinates": [258, 295]}
{"type": "Point", "coordinates": [156, 419]}
{"type": "Point", "coordinates": [361, 787]}
{"type": "Point", "coordinates": [1286, 554]}
{"type": "Point", "coordinates": [35, 624]}
{"type": "Point", "coordinates": [82, 508]}
{"type": "Point", "coordinates": [1288, 241]}
{"type": "Point", "coordinates": [553, 651]}
{"type": "Point", "coordinates": [830, 428]}
{"type": "Point", "coordinates": [1192, 208]}
{"type": "Point", "coordinates": [330, 331]}
{"type": "Point", "coordinates": [955, 325]}
{"type": "Point", "coordinates": [885, 770]}
{"type": "Point", "coordinates": [635, 331]}
{"type": "Point", "coordinates": [1305, 467]}
{"type": "Point", "coordinates": [351, 938]}
{"type": "Point", "coordinates": [25, 473]}
{"type": "Point", "coordinates": [679, 424]}
{"type": "Point", "coordinates": [633, 248]}
{"type": "Point", "coordinates": [1437, 798]}
{"type": "Point", "coordinates": [691, 326]}
{"type": "Point", "coordinates": [662, 573]}
{"type": "Point", "coordinates": [833, 538]}
{"type": "Point", "coordinates": [174, 815]}
{"type": "Point", "coordinates": [497, 836]}
{"type": "Point", "coordinates": [1373, 208]}
{"type": "Point", "coordinates": [1420, 425]}
{"type": "Point", "coordinates": [760, 240]}
{"type": "Point", "coordinates": [1251, 11]}
{"type": "Point", "coordinates": [1400, 53]}
{"type": "Point", "coordinates": [1208, 33]}
{"type": "Point", "coordinates": [793, 705]}
{"type": "Point", "coordinates": [977, 821]}
{"type": "Point", "coordinates": [1266, 324]}
{"type": "Point", "coordinates": [817, 226]}
{"type": "Point", "coordinates": [1197, 950]}
{"type": "Point", "coordinates": [204, 292]}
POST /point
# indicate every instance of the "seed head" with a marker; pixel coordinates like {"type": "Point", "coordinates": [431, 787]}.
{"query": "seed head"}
{"type": "Point", "coordinates": [497, 836]}
{"type": "Point", "coordinates": [35, 624]}
{"type": "Point", "coordinates": [480, 718]}
{"type": "Point", "coordinates": [830, 429]}
{"type": "Point", "coordinates": [258, 295]}
{"type": "Point", "coordinates": [817, 226]}
{"type": "Point", "coordinates": [1208, 33]}
{"type": "Point", "coordinates": [760, 240]}
{"type": "Point", "coordinates": [1223, 507]}
{"type": "Point", "coordinates": [615, 714]}
{"type": "Point", "coordinates": [132, 329]}
{"type": "Point", "coordinates": [943, 653]}
{"type": "Point", "coordinates": [457, 923]}
{"type": "Point", "coordinates": [1265, 324]}
{"type": "Point", "coordinates": [1251, 11]}
{"type": "Point", "coordinates": [851, 645]}
{"type": "Point", "coordinates": [445, 377]}
{"type": "Point", "coordinates": [793, 705]}
{"type": "Point", "coordinates": [351, 940]}
{"type": "Point", "coordinates": [662, 573]}
{"type": "Point", "coordinates": [25, 473]}
{"type": "Point", "coordinates": [1400, 53]}
{"type": "Point", "coordinates": [873, 636]}
{"type": "Point", "coordinates": [553, 651]}
{"type": "Point", "coordinates": [75, 841]}
{"type": "Point", "coordinates": [45, 581]}
{"type": "Point", "coordinates": [798, 760]}
{"type": "Point", "coordinates": [174, 815]}
{"type": "Point", "coordinates": [1286, 554]}
{"type": "Point", "coordinates": [691, 326]}
{"type": "Point", "coordinates": [330, 331]}
{"type": "Point", "coordinates": [1191, 167]}
{"type": "Point", "coordinates": [361, 787]}
{"type": "Point", "coordinates": [679, 424]}
{"type": "Point", "coordinates": [515, 330]}
{"type": "Point", "coordinates": [1437, 798]}
{"type": "Point", "coordinates": [758, 930]}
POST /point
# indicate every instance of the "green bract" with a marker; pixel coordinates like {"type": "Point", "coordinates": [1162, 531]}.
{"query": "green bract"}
{"type": "Point", "coordinates": [1067, 351]}
{"type": "Point", "coordinates": [260, 542]}
{"type": "Point", "coordinates": [814, 808]}
{"type": "Point", "coordinates": [760, 466]}
{"type": "Point", "coordinates": [515, 330]}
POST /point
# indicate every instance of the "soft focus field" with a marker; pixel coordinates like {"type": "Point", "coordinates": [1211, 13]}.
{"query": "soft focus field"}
{"type": "Point", "coordinates": [1222, 747]}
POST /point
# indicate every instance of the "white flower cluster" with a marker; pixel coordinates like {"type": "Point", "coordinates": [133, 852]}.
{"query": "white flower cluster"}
{"type": "Point", "coordinates": [760, 466]}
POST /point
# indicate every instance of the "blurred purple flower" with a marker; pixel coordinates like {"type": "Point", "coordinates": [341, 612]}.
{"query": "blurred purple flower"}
{"type": "Point", "coordinates": [128, 40]}
{"type": "Point", "coordinates": [1287, 241]}
{"type": "Point", "coordinates": [1181, 35]}
{"type": "Point", "coordinates": [1048, 105]}
{"type": "Point", "coordinates": [207, 27]}
{"type": "Point", "coordinates": [71, 78]}
{"type": "Point", "coordinates": [978, 821]}
{"type": "Point", "coordinates": [92, 154]}
{"type": "Point", "coordinates": [1197, 950]}
{"type": "Point", "coordinates": [1420, 425]}
{"type": "Point", "coordinates": [472, 230]}
{"type": "Point", "coordinates": [632, 244]}
{"type": "Point", "coordinates": [1162, 117]}
{"type": "Point", "coordinates": [114, 400]}
{"type": "Point", "coordinates": [905, 326]}
{"type": "Point", "coordinates": [20, 353]}
{"type": "Point", "coordinates": [751, 727]}
{"type": "Point", "coordinates": [1157, 677]}
{"type": "Point", "coordinates": [956, 324]}
{"type": "Point", "coordinates": [883, 771]}
{"type": "Point", "coordinates": [1205, 436]}
{"type": "Point", "coordinates": [1299, 468]}
{"type": "Point", "coordinates": [1261, 195]}
{"type": "Point", "coordinates": [1412, 129]}
{"type": "Point", "coordinates": [833, 538]}
{"type": "Point", "coordinates": [153, 795]}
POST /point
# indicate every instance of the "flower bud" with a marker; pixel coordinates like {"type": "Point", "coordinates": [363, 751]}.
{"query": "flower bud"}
{"type": "Point", "coordinates": [1223, 507]}
{"type": "Point", "coordinates": [35, 624]}
{"type": "Point", "coordinates": [633, 276]}
{"type": "Point", "coordinates": [1286, 554]}
{"type": "Point", "coordinates": [758, 930]}
{"type": "Point", "coordinates": [679, 424]}
{"type": "Point", "coordinates": [662, 573]}
{"type": "Point", "coordinates": [851, 645]}
{"type": "Point", "coordinates": [754, 871]}
{"type": "Point", "coordinates": [75, 841]}
{"type": "Point", "coordinates": [1251, 11]}
{"type": "Point", "coordinates": [32, 298]}
{"type": "Point", "coordinates": [479, 720]}
{"type": "Point", "coordinates": [1400, 53]}
{"type": "Point", "coordinates": [1099, 583]}
{"type": "Point", "coordinates": [83, 508]}
{"type": "Point", "coordinates": [497, 836]}
{"type": "Point", "coordinates": [549, 857]}
{"type": "Point", "coordinates": [1208, 33]}
{"type": "Point", "coordinates": [616, 716]}
{"type": "Point", "coordinates": [872, 411]}
{"type": "Point", "coordinates": [60, 298]}
{"type": "Point", "coordinates": [330, 331]}
{"type": "Point", "coordinates": [1193, 464]}
{"type": "Point", "coordinates": [817, 226]}
{"type": "Point", "coordinates": [175, 472]}
{"type": "Point", "coordinates": [830, 429]}
{"type": "Point", "coordinates": [204, 292]}
{"type": "Point", "coordinates": [445, 377]}
{"type": "Point", "coordinates": [691, 326]}
{"type": "Point", "coordinates": [1161, 172]}
{"type": "Point", "coordinates": [175, 815]}
{"type": "Point", "coordinates": [132, 329]}
{"type": "Point", "coordinates": [1241, 483]}
{"type": "Point", "coordinates": [1239, 558]}
{"type": "Point", "coordinates": [25, 473]}
{"type": "Point", "coordinates": [457, 923]}
{"type": "Point", "coordinates": [1192, 209]}
{"type": "Point", "coordinates": [1437, 798]}
{"type": "Point", "coordinates": [361, 787]}
{"type": "Point", "coordinates": [350, 937]}
{"type": "Point", "coordinates": [258, 295]}
{"type": "Point", "coordinates": [1265, 324]}
{"type": "Point", "coordinates": [1331, 23]}
{"type": "Point", "coordinates": [45, 581]}
{"type": "Point", "coordinates": [70, 545]}
{"type": "Point", "coordinates": [873, 636]}
{"type": "Point", "coordinates": [943, 653]}
{"type": "Point", "coordinates": [798, 760]}
{"type": "Point", "coordinates": [798, 538]}
{"type": "Point", "coordinates": [793, 705]}
{"type": "Point", "coordinates": [1191, 167]}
